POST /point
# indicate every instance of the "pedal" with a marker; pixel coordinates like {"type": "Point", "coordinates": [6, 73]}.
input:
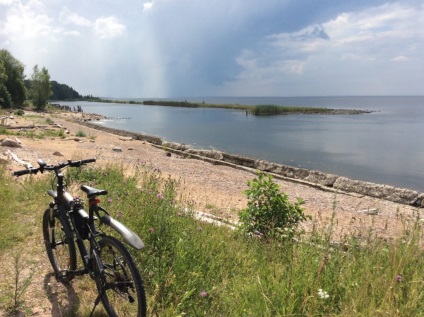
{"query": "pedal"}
{"type": "Point", "coordinates": [62, 276]}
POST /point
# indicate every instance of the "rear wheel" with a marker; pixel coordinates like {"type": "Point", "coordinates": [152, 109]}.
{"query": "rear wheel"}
{"type": "Point", "coordinates": [60, 246]}
{"type": "Point", "coordinates": [121, 284]}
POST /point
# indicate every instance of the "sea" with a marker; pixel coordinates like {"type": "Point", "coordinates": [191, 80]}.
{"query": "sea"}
{"type": "Point", "coordinates": [385, 146]}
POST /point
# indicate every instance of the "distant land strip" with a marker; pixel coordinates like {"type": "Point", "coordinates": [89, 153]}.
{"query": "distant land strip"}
{"type": "Point", "coordinates": [257, 110]}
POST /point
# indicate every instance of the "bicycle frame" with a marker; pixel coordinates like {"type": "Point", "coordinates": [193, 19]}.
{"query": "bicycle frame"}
{"type": "Point", "coordinates": [104, 258]}
{"type": "Point", "coordinates": [68, 207]}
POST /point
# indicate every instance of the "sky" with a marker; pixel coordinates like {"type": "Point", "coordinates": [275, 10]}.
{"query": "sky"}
{"type": "Point", "coordinates": [193, 48]}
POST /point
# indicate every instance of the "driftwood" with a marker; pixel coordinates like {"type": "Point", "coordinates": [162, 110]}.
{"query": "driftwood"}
{"type": "Point", "coordinates": [17, 159]}
{"type": "Point", "coordinates": [20, 127]}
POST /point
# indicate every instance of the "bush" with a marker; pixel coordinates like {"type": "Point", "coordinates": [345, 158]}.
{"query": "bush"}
{"type": "Point", "coordinates": [19, 112]}
{"type": "Point", "coordinates": [269, 211]}
{"type": "Point", "coordinates": [81, 134]}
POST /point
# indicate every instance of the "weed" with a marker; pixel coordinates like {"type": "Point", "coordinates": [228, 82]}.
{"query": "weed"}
{"type": "Point", "coordinates": [20, 283]}
{"type": "Point", "coordinates": [81, 133]}
{"type": "Point", "coordinates": [194, 268]}
{"type": "Point", "coordinates": [49, 120]}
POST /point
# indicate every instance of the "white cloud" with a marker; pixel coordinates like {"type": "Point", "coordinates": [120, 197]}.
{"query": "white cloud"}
{"type": "Point", "coordinates": [344, 50]}
{"type": "Point", "coordinates": [26, 21]}
{"type": "Point", "coordinates": [400, 59]}
{"type": "Point", "coordinates": [108, 27]}
{"type": "Point", "coordinates": [147, 6]}
{"type": "Point", "coordinates": [6, 2]}
{"type": "Point", "coordinates": [68, 17]}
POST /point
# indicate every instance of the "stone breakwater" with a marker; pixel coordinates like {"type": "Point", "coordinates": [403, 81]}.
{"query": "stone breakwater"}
{"type": "Point", "coordinates": [313, 178]}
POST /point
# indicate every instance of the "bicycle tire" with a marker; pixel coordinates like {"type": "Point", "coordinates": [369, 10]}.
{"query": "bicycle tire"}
{"type": "Point", "coordinates": [60, 246]}
{"type": "Point", "coordinates": [124, 294]}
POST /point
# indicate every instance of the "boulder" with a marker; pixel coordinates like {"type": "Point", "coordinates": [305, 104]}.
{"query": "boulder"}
{"type": "Point", "coordinates": [176, 146]}
{"type": "Point", "coordinates": [217, 155]}
{"type": "Point", "coordinates": [294, 172]}
{"type": "Point", "coordinates": [398, 195]}
{"type": "Point", "coordinates": [321, 178]}
{"type": "Point", "coordinates": [10, 143]}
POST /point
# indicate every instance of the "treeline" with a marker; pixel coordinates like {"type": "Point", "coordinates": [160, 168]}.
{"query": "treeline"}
{"type": "Point", "coordinates": [63, 92]}
{"type": "Point", "coordinates": [59, 91]}
{"type": "Point", "coordinates": [16, 91]}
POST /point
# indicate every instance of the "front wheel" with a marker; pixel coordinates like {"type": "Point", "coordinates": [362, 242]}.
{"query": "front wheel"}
{"type": "Point", "coordinates": [60, 246]}
{"type": "Point", "coordinates": [120, 285]}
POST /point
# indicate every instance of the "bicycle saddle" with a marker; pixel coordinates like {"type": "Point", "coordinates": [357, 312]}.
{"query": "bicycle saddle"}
{"type": "Point", "coordinates": [91, 191]}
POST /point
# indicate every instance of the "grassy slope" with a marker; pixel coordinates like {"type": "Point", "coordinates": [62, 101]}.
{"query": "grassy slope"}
{"type": "Point", "coordinates": [198, 269]}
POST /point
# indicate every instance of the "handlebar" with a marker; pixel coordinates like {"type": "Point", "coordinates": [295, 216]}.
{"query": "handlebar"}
{"type": "Point", "coordinates": [55, 168]}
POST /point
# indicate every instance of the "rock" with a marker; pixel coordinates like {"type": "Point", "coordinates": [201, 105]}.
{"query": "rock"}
{"type": "Point", "coordinates": [217, 155]}
{"type": "Point", "coordinates": [3, 161]}
{"type": "Point", "coordinates": [125, 138]}
{"type": "Point", "coordinates": [321, 178]}
{"type": "Point", "coordinates": [176, 146]}
{"type": "Point", "coordinates": [294, 172]}
{"type": "Point", "coordinates": [130, 149]}
{"type": "Point", "coordinates": [10, 142]}
{"type": "Point", "coordinates": [117, 149]}
{"type": "Point", "coordinates": [57, 153]}
{"type": "Point", "coordinates": [398, 195]}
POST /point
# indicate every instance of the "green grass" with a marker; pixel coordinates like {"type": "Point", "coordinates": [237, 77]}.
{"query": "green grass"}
{"type": "Point", "coordinates": [191, 268]}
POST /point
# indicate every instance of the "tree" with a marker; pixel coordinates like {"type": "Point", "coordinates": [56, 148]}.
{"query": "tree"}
{"type": "Point", "coordinates": [5, 99]}
{"type": "Point", "coordinates": [63, 92]}
{"type": "Point", "coordinates": [12, 87]}
{"type": "Point", "coordinates": [40, 87]}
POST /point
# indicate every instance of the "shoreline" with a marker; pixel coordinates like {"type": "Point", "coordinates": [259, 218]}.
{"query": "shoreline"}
{"type": "Point", "coordinates": [210, 185]}
{"type": "Point", "coordinates": [314, 178]}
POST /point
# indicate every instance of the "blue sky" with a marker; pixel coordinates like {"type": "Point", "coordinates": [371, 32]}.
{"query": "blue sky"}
{"type": "Point", "coordinates": [189, 48]}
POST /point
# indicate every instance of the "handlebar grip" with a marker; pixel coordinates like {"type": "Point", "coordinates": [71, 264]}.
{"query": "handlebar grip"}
{"type": "Point", "coordinates": [88, 161]}
{"type": "Point", "coordinates": [24, 172]}
{"type": "Point", "coordinates": [80, 162]}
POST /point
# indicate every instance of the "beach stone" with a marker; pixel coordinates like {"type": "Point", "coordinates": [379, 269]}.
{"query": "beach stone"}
{"type": "Point", "coordinates": [117, 149]}
{"type": "Point", "coordinates": [3, 161]}
{"type": "Point", "coordinates": [57, 153]}
{"type": "Point", "coordinates": [10, 143]}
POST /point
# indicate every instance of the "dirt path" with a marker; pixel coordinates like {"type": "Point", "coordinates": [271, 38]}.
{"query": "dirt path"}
{"type": "Point", "coordinates": [210, 188]}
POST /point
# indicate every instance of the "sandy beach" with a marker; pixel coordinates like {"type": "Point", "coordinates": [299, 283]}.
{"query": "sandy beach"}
{"type": "Point", "coordinates": [213, 188]}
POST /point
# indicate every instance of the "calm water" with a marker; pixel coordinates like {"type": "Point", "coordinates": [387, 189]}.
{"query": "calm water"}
{"type": "Point", "coordinates": [382, 147]}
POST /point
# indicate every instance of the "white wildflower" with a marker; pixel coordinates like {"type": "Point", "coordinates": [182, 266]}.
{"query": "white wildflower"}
{"type": "Point", "coordinates": [323, 294]}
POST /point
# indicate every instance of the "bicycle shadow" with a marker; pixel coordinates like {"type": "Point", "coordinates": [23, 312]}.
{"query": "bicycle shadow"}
{"type": "Point", "coordinates": [62, 296]}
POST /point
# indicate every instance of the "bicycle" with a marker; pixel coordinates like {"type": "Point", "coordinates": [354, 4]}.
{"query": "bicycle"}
{"type": "Point", "coordinates": [107, 260]}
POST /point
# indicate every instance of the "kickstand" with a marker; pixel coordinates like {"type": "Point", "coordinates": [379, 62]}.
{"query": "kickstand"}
{"type": "Point", "coordinates": [97, 301]}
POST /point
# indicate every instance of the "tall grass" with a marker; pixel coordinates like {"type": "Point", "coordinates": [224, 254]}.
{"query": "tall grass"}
{"type": "Point", "coordinates": [192, 268]}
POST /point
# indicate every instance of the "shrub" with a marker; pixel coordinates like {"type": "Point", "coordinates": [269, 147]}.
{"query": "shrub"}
{"type": "Point", "coordinates": [81, 134]}
{"type": "Point", "coordinates": [49, 120]}
{"type": "Point", "coordinates": [19, 112]}
{"type": "Point", "coordinates": [269, 211]}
